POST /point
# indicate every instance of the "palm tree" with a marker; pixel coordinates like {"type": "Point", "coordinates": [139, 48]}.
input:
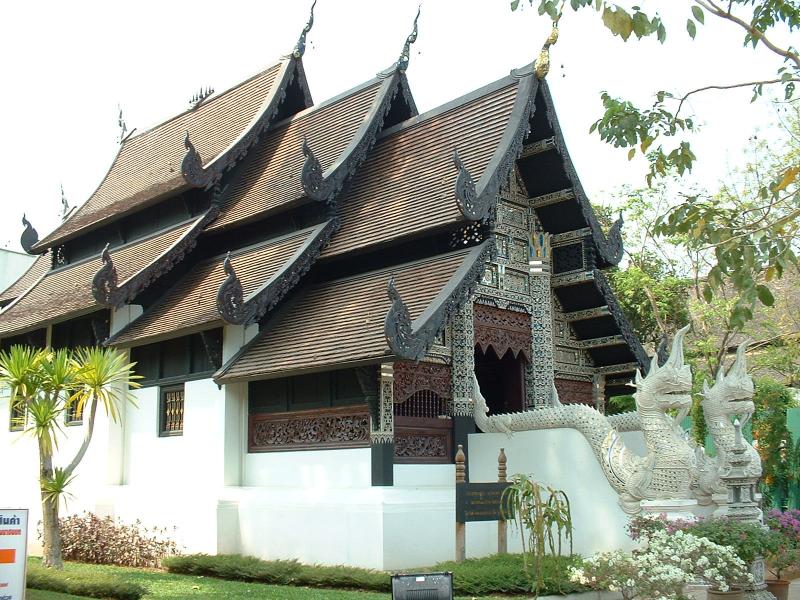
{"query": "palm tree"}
{"type": "Point", "coordinates": [48, 382]}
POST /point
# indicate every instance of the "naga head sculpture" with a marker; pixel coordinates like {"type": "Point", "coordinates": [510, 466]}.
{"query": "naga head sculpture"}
{"type": "Point", "coordinates": [732, 393]}
{"type": "Point", "coordinates": [669, 386]}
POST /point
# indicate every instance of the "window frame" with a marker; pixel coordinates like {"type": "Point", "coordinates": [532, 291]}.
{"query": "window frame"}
{"type": "Point", "coordinates": [163, 390]}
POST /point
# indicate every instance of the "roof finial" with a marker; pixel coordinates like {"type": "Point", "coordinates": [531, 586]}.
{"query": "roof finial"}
{"type": "Point", "coordinates": [405, 55]}
{"type": "Point", "coordinates": [64, 204]}
{"type": "Point", "coordinates": [542, 66]}
{"type": "Point", "coordinates": [123, 128]}
{"type": "Point", "coordinates": [200, 97]}
{"type": "Point", "coordinates": [300, 47]}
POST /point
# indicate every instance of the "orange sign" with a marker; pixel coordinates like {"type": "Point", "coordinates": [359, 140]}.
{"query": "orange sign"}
{"type": "Point", "coordinates": [8, 557]}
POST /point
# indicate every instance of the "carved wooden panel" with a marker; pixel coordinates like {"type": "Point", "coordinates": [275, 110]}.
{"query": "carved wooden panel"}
{"type": "Point", "coordinates": [503, 330]}
{"type": "Point", "coordinates": [411, 377]}
{"type": "Point", "coordinates": [423, 441]}
{"type": "Point", "coordinates": [574, 392]}
{"type": "Point", "coordinates": [341, 427]}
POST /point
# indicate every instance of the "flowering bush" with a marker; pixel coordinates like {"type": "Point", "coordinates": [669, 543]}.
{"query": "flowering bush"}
{"type": "Point", "coordinates": [785, 522]}
{"type": "Point", "coordinates": [663, 568]}
{"type": "Point", "coordinates": [786, 552]}
{"type": "Point", "coordinates": [749, 540]}
{"type": "Point", "coordinates": [104, 541]}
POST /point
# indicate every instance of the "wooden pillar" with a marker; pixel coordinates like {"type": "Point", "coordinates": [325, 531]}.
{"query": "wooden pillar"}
{"type": "Point", "coordinates": [540, 375]}
{"type": "Point", "coordinates": [382, 430]}
{"type": "Point", "coordinates": [461, 545]}
{"type": "Point", "coordinates": [502, 530]}
{"type": "Point", "coordinates": [463, 371]}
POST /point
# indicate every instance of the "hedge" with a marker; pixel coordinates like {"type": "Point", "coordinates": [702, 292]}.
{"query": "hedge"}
{"type": "Point", "coordinates": [79, 584]}
{"type": "Point", "coordinates": [500, 574]}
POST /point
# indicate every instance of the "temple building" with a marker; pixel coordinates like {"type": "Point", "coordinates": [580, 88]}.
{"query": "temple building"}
{"type": "Point", "coordinates": [307, 290]}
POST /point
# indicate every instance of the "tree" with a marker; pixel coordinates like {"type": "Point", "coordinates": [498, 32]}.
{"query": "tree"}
{"type": "Point", "coordinates": [46, 383]}
{"type": "Point", "coordinates": [751, 242]}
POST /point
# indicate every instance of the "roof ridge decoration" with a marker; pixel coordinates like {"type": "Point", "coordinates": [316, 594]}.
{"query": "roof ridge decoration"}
{"type": "Point", "coordinates": [616, 312]}
{"type": "Point", "coordinates": [237, 310]}
{"type": "Point", "coordinates": [610, 247]}
{"type": "Point", "coordinates": [64, 205]}
{"type": "Point", "coordinates": [411, 340]}
{"type": "Point", "coordinates": [405, 54]}
{"type": "Point", "coordinates": [324, 186]}
{"type": "Point", "coordinates": [29, 236]}
{"type": "Point", "coordinates": [200, 176]}
{"type": "Point", "coordinates": [300, 46]}
{"type": "Point", "coordinates": [106, 288]}
{"type": "Point", "coordinates": [478, 201]}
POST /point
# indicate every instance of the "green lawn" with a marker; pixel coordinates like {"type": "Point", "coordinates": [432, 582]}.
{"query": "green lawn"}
{"type": "Point", "coordinates": [166, 586]}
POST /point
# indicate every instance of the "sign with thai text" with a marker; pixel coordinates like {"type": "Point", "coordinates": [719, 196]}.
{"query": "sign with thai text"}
{"type": "Point", "coordinates": [13, 553]}
{"type": "Point", "coordinates": [479, 501]}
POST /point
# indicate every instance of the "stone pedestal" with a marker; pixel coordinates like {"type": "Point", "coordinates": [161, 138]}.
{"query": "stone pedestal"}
{"type": "Point", "coordinates": [673, 509]}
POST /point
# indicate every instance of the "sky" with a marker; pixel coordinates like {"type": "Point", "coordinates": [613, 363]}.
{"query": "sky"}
{"type": "Point", "coordinates": [67, 66]}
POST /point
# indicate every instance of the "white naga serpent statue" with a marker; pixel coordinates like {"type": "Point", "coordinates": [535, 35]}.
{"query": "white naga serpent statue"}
{"type": "Point", "coordinates": [730, 396]}
{"type": "Point", "coordinates": [669, 469]}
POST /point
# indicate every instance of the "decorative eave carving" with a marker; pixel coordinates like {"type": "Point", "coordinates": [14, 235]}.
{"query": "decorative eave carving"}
{"type": "Point", "coordinates": [411, 341]}
{"type": "Point", "coordinates": [235, 309]}
{"type": "Point", "coordinates": [610, 247]}
{"type": "Point", "coordinates": [477, 201]}
{"type": "Point", "coordinates": [324, 186]}
{"type": "Point", "coordinates": [621, 320]}
{"type": "Point", "coordinates": [105, 284]}
{"type": "Point", "coordinates": [29, 236]}
{"type": "Point", "coordinates": [192, 167]}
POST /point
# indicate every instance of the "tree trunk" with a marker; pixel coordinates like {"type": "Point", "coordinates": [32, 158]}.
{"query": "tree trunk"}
{"type": "Point", "coordinates": [51, 555]}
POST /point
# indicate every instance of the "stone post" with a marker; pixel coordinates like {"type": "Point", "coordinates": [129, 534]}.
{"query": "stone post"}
{"type": "Point", "coordinates": [742, 505]}
{"type": "Point", "coordinates": [539, 375]}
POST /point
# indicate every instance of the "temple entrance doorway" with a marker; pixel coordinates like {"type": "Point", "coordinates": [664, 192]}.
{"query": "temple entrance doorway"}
{"type": "Point", "coordinates": [502, 379]}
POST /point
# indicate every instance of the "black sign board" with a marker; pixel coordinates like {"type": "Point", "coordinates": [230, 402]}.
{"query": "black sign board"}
{"type": "Point", "coordinates": [479, 501]}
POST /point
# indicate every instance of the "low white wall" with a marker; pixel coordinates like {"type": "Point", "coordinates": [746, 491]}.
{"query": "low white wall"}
{"type": "Point", "coordinates": [559, 458]}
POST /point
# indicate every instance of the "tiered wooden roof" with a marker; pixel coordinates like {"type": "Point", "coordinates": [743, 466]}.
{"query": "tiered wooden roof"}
{"type": "Point", "coordinates": [150, 165]}
{"type": "Point", "coordinates": [340, 322]}
{"type": "Point", "coordinates": [67, 292]}
{"type": "Point", "coordinates": [330, 203]}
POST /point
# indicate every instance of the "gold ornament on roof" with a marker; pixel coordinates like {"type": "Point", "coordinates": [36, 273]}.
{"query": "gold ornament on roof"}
{"type": "Point", "coordinates": [543, 62]}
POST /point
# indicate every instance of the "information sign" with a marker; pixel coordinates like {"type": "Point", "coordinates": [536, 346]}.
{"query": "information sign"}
{"type": "Point", "coordinates": [479, 501]}
{"type": "Point", "coordinates": [13, 553]}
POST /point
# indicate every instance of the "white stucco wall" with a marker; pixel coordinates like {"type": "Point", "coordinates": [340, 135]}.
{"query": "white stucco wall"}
{"type": "Point", "coordinates": [19, 458]}
{"type": "Point", "coordinates": [315, 506]}
{"type": "Point", "coordinates": [559, 458]}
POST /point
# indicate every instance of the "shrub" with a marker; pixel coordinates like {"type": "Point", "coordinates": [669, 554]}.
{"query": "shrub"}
{"type": "Point", "coordinates": [280, 572]}
{"type": "Point", "coordinates": [663, 568]}
{"type": "Point", "coordinates": [501, 574]}
{"type": "Point", "coordinates": [88, 538]}
{"type": "Point", "coordinates": [76, 584]}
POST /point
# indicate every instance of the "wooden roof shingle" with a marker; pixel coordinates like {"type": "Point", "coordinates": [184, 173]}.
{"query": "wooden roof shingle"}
{"type": "Point", "coordinates": [67, 291]}
{"type": "Point", "coordinates": [270, 176]}
{"type": "Point", "coordinates": [339, 322]}
{"type": "Point", "coordinates": [191, 304]}
{"type": "Point", "coordinates": [148, 164]}
{"type": "Point", "coordinates": [406, 185]}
